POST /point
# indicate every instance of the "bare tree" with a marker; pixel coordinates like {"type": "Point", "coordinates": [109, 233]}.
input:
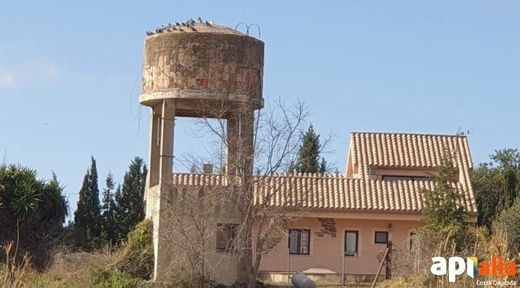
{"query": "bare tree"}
{"type": "Point", "coordinates": [253, 195]}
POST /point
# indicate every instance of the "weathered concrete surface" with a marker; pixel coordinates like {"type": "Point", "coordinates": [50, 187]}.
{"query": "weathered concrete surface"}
{"type": "Point", "coordinates": [197, 70]}
{"type": "Point", "coordinates": [221, 66]}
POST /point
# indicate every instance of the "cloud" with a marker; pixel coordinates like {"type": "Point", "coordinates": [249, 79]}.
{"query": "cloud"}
{"type": "Point", "coordinates": [6, 78]}
{"type": "Point", "coordinates": [28, 73]}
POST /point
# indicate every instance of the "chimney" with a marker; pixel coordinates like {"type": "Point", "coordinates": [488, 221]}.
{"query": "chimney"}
{"type": "Point", "coordinates": [207, 168]}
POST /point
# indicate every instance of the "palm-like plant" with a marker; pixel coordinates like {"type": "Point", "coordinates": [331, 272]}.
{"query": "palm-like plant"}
{"type": "Point", "coordinates": [55, 207]}
{"type": "Point", "coordinates": [32, 210]}
{"type": "Point", "coordinates": [26, 199]}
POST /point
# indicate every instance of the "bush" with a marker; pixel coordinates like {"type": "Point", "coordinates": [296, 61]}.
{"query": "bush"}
{"type": "Point", "coordinates": [107, 278]}
{"type": "Point", "coordinates": [43, 281]}
{"type": "Point", "coordinates": [136, 256]}
{"type": "Point", "coordinates": [509, 220]}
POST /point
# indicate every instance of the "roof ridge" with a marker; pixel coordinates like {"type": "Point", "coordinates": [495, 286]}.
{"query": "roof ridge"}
{"type": "Point", "coordinates": [408, 133]}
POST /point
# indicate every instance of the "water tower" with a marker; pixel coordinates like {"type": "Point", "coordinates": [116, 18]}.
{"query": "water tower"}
{"type": "Point", "coordinates": [196, 69]}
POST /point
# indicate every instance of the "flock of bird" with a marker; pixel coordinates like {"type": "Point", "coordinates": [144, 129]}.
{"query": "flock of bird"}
{"type": "Point", "coordinates": [182, 26]}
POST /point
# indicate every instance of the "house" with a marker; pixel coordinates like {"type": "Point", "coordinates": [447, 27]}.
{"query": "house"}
{"type": "Point", "coordinates": [349, 219]}
{"type": "Point", "coordinates": [345, 222]}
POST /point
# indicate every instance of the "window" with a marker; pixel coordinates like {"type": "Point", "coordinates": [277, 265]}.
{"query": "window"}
{"type": "Point", "coordinates": [225, 236]}
{"type": "Point", "coordinates": [299, 241]}
{"type": "Point", "coordinates": [412, 237]}
{"type": "Point", "coordinates": [351, 243]}
{"type": "Point", "coordinates": [381, 237]}
{"type": "Point", "coordinates": [398, 177]}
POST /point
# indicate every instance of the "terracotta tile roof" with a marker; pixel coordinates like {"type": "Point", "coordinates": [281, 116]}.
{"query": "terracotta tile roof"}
{"type": "Point", "coordinates": [339, 192]}
{"type": "Point", "coordinates": [362, 193]}
{"type": "Point", "coordinates": [407, 150]}
{"type": "Point", "coordinates": [412, 151]}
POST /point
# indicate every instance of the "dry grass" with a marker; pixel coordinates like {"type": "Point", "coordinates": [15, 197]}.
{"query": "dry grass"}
{"type": "Point", "coordinates": [70, 270]}
{"type": "Point", "coordinates": [13, 274]}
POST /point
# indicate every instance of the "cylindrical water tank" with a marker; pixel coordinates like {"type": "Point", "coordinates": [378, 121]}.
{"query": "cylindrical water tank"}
{"type": "Point", "coordinates": [300, 280]}
{"type": "Point", "coordinates": [202, 61]}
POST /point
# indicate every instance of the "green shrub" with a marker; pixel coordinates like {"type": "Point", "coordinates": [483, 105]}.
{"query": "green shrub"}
{"type": "Point", "coordinates": [43, 281]}
{"type": "Point", "coordinates": [107, 278]}
{"type": "Point", "coordinates": [136, 256]}
{"type": "Point", "coordinates": [509, 220]}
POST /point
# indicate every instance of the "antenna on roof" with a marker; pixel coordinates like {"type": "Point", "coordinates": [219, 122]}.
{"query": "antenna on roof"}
{"type": "Point", "coordinates": [461, 132]}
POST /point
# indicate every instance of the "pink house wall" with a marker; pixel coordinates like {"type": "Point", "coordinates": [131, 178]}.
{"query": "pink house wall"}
{"type": "Point", "coordinates": [326, 251]}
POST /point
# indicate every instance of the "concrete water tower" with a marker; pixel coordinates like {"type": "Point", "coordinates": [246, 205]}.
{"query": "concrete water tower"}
{"type": "Point", "coordinates": [196, 69]}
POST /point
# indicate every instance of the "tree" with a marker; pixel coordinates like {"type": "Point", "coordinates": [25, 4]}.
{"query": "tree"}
{"type": "Point", "coordinates": [508, 161]}
{"type": "Point", "coordinates": [486, 184]}
{"type": "Point", "coordinates": [194, 215]}
{"type": "Point", "coordinates": [496, 184]}
{"type": "Point", "coordinates": [87, 218]}
{"type": "Point", "coordinates": [323, 165]}
{"type": "Point", "coordinates": [32, 211]}
{"type": "Point", "coordinates": [508, 220]}
{"type": "Point", "coordinates": [108, 225]}
{"type": "Point", "coordinates": [443, 216]}
{"type": "Point", "coordinates": [119, 215]}
{"type": "Point", "coordinates": [129, 199]}
{"type": "Point", "coordinates": [309, 153]}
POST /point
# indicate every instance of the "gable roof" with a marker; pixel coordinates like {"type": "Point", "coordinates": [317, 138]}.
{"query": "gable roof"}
{"type": "Point", "coordinates": [406, 150]}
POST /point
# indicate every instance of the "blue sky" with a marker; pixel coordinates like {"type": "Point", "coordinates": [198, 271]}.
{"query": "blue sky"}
{"type": "Point", "coordinates": [70, 73]}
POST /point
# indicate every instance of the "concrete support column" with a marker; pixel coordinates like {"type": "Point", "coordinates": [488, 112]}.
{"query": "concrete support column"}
{"type": "Point", "coordinates": [166, 146]}
{"type": "Point", "coordinates": [155, 127]}
{"type": "Point", "coordinates": [152, 178]}
{"type": "Point", "coordinates": [164, 169]}
{"type": "Point", "coordinates": [246, 138]}
{"type": "Point", "coordinates": [233, 126]}
{"type": "Point", "coordinates": [240, 144]}
{"type": "Point", "coordinates": [240, 162]}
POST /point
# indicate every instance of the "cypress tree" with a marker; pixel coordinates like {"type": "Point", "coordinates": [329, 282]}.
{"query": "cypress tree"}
{"type": "Point", "coordinates": [130, 198]}
{"type": "Point", "coordinates": [87, 216]}
{"type": "Point", "coordinates": [119, 215]}
{"type": "Point", "coordinates": [323, 165]}
{"type": "Point", "coordinates": [309, 153]}
{"type": "Point", "coordinates": [107, 211]}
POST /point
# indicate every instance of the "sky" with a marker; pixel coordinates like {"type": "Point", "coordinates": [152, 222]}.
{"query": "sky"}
{"type": "Point", "coordinates": [70, 74]}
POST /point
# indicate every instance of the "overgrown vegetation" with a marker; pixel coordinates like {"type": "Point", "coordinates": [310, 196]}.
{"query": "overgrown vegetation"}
{"type": "Point", "coordinates": [136, 256]}
{"type": "Point", "coordinates": [496, 184]}
{"type": "Point", "coordinates": [509, 222]}
{"type": "Point", "coordinates": [114, 279]}
{"type": "Point", "coordinates": [32, 212]}
{"type": "Point", "coordinates": [445, 221]}
{"type": "Point", "coordinates": [447, 231]}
